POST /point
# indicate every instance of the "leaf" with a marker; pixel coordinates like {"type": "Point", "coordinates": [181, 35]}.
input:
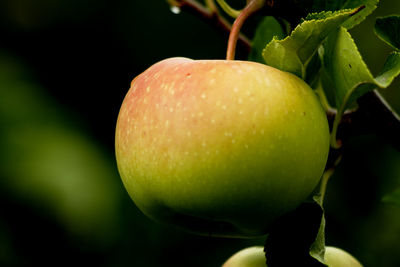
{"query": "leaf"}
{"type": "Point", "coordinates": [347, 75]}
{"type": "Point", "coordinates": [266, 30]}
{"type": "Point", "coordinates": [317, 249]}
{"type": "Point", "coordinates": [393, 197]}
{"type": "Point", "coordinates": [370, 6]}
{"type": "Point", "coordinates": [293, 53]}
{"type": "Point", "coordinates": [388, 29]}
{"type": "Point", "coordinates": [295, 10]}
{"type": "Point", "coordinates": [329, 5]}
{"type": "Point", "coordinates": [289, 243]}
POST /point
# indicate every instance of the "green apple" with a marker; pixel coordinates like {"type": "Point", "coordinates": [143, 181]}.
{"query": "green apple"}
{"type": "Point", "coordinates": [248, 257]}
{"type": "Point", "coordinates": [220, 147]}
{"type": "Point", "coordinates": [336, 257]}
{"type": "Point", "coordinates": [255, 257]}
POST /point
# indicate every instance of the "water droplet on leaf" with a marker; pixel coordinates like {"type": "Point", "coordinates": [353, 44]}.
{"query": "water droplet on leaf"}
{"type": "Point", "coordinates": [175, 9]}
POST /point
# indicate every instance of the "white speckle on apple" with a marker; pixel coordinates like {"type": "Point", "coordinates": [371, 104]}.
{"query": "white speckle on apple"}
{"type": "Point", "coordinates": [167, 123]}
{"type": "Point", "coordinates": [172, 91]}
{"type": "Point", "coordinates": [240, 101]}
{"type": "Point", "coordinates": [171, 109]}
{"type": "Point", "coordinates": [201, 114]}
{"type": "Point", "coordinates": [213, 70]}
{"type": "Point", "coordinates": [224, 107]}
{"type": "Point", "coordinates": [212, 121]}
{"type": "Point", "coordinates": [189, 133]}
{"type": "Point", "coordinates": [203, 95]}
{"type": "Point", "coordinates": [212, 81]}
{"type": "Point", "coordinates": [148, 89]}
{"type": "Point", "coordinates": [236, 89]}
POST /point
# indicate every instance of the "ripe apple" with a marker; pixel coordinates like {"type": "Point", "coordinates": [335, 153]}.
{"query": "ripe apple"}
{"type": "Point", "coordinates": [220, 147]}
{"type": "Point", "coordinates": [255, 257]}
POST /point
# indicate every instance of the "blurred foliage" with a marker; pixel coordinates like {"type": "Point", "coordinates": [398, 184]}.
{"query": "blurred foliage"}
{"type": "Point", "coordinates": [65, 66]}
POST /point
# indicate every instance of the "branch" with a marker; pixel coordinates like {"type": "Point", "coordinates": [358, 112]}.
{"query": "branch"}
{"type": "Point", "coordinates": [212, 16]}
{"type": "Point", "coordinates": [373, 114]}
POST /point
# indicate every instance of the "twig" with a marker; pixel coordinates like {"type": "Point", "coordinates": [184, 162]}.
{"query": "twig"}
{"type": "Point", "coordinates": [212, 16]}
{"type": "Point", "coordinates": [373, 115]}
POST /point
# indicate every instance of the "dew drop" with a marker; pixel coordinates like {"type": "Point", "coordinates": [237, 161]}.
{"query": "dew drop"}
{"type": "Point", "coordinates": [175, 9]}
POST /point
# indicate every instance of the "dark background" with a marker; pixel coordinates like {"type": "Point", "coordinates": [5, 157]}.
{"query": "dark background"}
{"type": "Point", "coordinates": [65, 66]}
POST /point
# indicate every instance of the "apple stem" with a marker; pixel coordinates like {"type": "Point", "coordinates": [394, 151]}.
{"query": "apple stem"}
{"type": "Point", "coordinates": [251, 7]}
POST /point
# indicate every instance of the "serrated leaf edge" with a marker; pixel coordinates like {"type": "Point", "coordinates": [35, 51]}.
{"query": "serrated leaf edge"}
{"type": "Point", "coordinates": [374, 82]}
{"type": "Point", "coordinates": [298, 29]}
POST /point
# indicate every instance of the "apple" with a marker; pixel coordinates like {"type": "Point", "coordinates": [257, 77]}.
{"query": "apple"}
{"type": "Point", "coordinates": [248, 257]}
{"type": "Point", "coordinates": [255, 257]}
{"type": "Point", "coordinates": [220, 147]}
{"type": "Point", "coordinates": [336, 257]}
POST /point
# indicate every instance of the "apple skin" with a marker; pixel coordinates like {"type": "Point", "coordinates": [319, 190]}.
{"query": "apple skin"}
{"type": "Point", "coordinates": [220, 147]}
{"type": "Point", "coordinates": [248, 257]}
{"type": "Point", "coordinates": [255, 257]}
{"type": "Point", "coordinates": [336, 257]}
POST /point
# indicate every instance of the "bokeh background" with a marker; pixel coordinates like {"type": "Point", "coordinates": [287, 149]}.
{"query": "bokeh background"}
{"type": "Point", "coordinates": [65, 66]}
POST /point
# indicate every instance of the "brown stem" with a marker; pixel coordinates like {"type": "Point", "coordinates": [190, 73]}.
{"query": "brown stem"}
{"type": "Point", "coordinates": [251, 7]}
{"type": "Point", "coordinates": [211, 15]}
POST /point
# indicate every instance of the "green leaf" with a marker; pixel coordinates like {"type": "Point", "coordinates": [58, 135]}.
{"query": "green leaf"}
{"type": "Point", "coordinates": [347, 75]}
{"type": "Point", "coordinates": [288, 243]}
{"type": "Point", "coordinates": [388, 29]}
{"type": "Point", "coordinates": [317, 249]}
{"type": "Point", "coordinates": [370, 6]}
{"type": "Point", "coordinates": [266, 30]}
{"type": "Point", "coordinates": [329, 5]}
{"type": "Point", "coordinates": [393, 197]}
{"type": "Point", "coordinates": [293, 53]}
{"type": "Point", "coordinates": [294, 10]}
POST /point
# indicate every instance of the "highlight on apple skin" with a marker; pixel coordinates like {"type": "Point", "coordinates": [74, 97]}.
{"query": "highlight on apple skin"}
{"type": "Point", "coordinates": [255, 257]}
{"type": "Point", "coordinates": [220, 147]}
